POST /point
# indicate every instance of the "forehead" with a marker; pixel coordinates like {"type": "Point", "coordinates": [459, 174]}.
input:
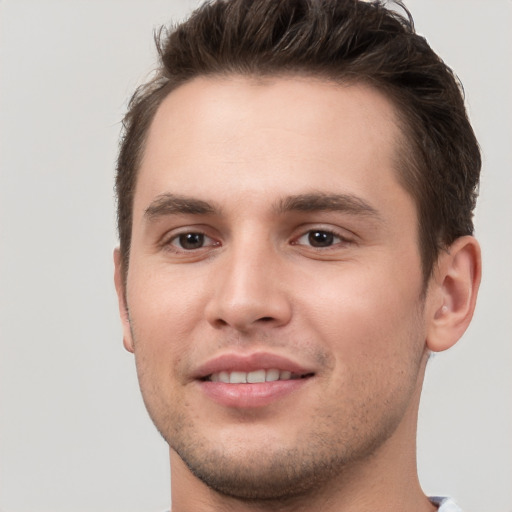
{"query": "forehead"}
{"type": "Point", "coordinates": [287, 133]}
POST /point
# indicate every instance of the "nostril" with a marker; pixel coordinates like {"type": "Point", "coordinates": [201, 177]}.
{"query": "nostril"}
{"type": "Point", "coordinates": [266, 319]}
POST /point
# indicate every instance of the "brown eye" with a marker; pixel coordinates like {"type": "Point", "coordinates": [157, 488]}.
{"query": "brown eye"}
{"type": "Point", "coordinates": [320, 238]}
{"type": "Point", "coordinates": [190, 241]}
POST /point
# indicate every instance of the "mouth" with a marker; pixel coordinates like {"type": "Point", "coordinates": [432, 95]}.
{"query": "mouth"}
{"type": "Point", "coordinates": [255, 376]}
{"type": "Point", "coordinates": [249, 381]}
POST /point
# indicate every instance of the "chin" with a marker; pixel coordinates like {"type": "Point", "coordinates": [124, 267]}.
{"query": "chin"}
{"type": "Point", "coordinates": [269, 471]}
{"type": "Point", "coordinates": [277, 476]}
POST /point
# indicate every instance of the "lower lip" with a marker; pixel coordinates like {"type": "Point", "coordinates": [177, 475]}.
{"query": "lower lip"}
{"type": "Point", "coordinates": [247, 396]}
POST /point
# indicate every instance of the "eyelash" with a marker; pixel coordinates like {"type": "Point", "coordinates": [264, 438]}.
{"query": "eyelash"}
{"type": "Point", "coordinates": [170, 242]}
{"type": "Point", "coordinates": [332, 237]}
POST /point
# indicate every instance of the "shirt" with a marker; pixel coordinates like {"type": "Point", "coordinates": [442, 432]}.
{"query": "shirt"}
{"type": "Point", "coordinates": [445, 504]}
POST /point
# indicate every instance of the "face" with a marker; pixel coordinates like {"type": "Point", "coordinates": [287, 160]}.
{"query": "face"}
{"type": "Point", "coordinates": [274, 291]}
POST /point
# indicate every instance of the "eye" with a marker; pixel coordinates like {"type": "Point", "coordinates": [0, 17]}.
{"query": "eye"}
{"type": "Point", "coordinates": [320, 238]}
{"type": "Point", "coordinates": [191, 241]}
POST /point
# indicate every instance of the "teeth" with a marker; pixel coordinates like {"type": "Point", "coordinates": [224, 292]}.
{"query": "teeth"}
{"type": "Point", "coordinates": [223, 377]}
{"type": "Point", "coordinates": [256, 376]}
{"type": "Point", "coordinates": [253, 377]}
{"type": "Point", "coordinates": [272, 375]}
{"type": "Point", "coordinates": [237, 377]}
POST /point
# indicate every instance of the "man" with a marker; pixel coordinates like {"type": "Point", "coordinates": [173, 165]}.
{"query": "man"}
{"type": "Point", "coordinates": [295, 188]}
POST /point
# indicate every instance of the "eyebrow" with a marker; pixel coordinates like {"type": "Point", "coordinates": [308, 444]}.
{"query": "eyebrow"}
{"type": "Point", "coordinates": [169, 204]}
{"type": "Point", "coordinates": [347, 203]}
{"type": "Point", "coordinates": [173, 204]}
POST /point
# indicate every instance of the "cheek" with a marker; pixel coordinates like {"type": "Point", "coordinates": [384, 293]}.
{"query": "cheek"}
{"type": "Point", "coordinates": [375, 338]}
{"type": "Point", "coordinates": [366, 316]}
{"type": "Point", "coordinates": [163, 313]}
{"type": "Point", "coordinates": [164, 303]}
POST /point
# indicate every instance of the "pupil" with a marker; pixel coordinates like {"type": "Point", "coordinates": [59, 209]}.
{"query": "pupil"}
{"type": "Point", "coordinates": [320, 238]}
{"type": "Point", "coordinates": [191, 240]}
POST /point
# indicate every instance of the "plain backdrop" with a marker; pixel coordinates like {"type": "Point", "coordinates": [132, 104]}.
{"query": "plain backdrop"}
{"type": "Point", "coordinates": [74, 435]}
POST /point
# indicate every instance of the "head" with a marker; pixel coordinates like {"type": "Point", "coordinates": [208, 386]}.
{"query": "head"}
{"type": "Point", "coordinates": [287, 184]}
{"type": "Point", "coordinates": [344, 41]}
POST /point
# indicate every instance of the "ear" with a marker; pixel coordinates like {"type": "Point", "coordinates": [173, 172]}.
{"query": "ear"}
{"type": "Point", "coordinates": [452, 293]}
{"type": "Point", "coordinates": [121, 298]}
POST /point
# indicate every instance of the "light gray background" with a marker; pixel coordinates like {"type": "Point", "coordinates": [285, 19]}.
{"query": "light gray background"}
{"type": "Point", "coordinates": [74, 435]}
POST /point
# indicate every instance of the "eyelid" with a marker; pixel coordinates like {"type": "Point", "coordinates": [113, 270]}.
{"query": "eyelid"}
{"type": "Point", "coordinates": [166, 241]}
{"type": "Point", "coordinates": [345, 236]}
{"type": "Point", "coordinates": [177, 237]}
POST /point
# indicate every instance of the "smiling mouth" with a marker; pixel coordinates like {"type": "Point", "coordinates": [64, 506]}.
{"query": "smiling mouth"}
{"type": "Point", "coordinates": [254, 377]}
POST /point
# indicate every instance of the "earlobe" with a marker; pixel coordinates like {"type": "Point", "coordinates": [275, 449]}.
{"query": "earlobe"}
{"type": "Point", "coordinates": [121, 298]}
{"type": "Point", "coordinates": [453, 292]}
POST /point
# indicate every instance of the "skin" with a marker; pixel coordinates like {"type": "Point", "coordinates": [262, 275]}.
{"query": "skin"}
{"type": "Point", "coordinates": [247, 165]}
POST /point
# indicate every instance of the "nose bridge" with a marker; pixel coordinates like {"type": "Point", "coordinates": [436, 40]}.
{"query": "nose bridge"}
{"type": "Point", "coordinates": [248, 290]}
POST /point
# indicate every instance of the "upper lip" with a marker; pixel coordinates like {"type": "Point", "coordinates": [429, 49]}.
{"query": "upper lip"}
{"type": "Point", "coordinates": [249, 362]}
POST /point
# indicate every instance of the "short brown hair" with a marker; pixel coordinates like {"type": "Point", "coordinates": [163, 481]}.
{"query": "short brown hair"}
{"type": "Point", "coordinates": [340, 40]}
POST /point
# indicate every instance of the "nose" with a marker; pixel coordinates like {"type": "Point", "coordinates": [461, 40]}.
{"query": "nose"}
{"type": "Point", "coordinates": [250, 290]}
